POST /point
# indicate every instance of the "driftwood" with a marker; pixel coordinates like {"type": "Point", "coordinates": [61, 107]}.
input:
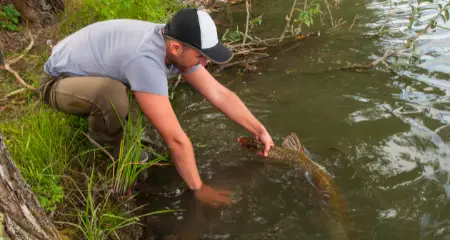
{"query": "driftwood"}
{"type": "Point", "coordinates": [21, 216]}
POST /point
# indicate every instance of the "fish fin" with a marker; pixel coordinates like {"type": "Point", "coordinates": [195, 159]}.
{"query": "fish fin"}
{"type": "Point", "coordinates": [291, 141]}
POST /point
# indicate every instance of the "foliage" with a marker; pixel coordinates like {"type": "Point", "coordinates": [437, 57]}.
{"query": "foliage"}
{"type": "Point", "coordinates": [232, 36]}
{"type": "Point", "coordinates": [9, 18]}
{"type": "Point", "coordinates": [307, 16]}
{"type": "Point", "coordinates": [77, 16]}
{"type": "Point", "coordinates": [237, 35]}
{"type": "Point", "coordinates": [42, 144]}
{"type": "Point", "coordinates": [442, 14]}
{"type": "Point", "coordinates": [126, 168]}
{"type": "Point", "coordinates": [101, 220]}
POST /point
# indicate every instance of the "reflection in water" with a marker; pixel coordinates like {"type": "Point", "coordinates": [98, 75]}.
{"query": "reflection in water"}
{"type": "Point", "coordinates": [384, 138]}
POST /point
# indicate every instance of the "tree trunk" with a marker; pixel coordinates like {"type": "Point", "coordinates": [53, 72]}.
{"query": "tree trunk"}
{"type": "Point", "coordinates": [38, 11]}
{"type": "Point", "coordinates": [21, 216]}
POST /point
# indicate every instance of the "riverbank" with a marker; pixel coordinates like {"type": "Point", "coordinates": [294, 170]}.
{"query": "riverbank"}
{"type": "Point", "coordinates": [72, 180]}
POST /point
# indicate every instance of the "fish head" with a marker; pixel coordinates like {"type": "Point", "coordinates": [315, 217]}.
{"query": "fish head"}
{"type": "Point", "coordinates": [251, 144]}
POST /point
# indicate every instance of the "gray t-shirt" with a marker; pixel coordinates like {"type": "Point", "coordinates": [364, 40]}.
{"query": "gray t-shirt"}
{"type": "Point", "coordinates": [131, 51]}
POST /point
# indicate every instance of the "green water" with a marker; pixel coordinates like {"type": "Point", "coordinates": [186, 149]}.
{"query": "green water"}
{"type": "Point", "coordinates": [374, 131]}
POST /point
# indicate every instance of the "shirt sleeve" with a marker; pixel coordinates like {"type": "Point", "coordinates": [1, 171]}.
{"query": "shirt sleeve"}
{"type": "Point", "coordinates": [193, 69]}
{"type": "Point", "coordinates": [144, 75]}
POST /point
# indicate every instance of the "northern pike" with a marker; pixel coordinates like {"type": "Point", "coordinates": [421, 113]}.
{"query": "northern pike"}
{"type": "Point", "coordinates": [291, 152]}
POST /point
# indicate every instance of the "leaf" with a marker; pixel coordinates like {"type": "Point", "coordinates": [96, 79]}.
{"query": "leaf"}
{"type": "Point", "coordinates": [443, 17]}
{"type": "Point", "coordinates": [447, 14]}
{"type": "Point", "coordinates": [422, 1]}
{"type": "Point", "coordinates": [433, 24]}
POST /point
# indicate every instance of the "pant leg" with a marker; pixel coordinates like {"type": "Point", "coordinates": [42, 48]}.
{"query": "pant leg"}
{"type": "Point", "coordinates": [103, 100]}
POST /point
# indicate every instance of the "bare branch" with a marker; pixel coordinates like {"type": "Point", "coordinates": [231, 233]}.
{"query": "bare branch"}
{"type": "Point", "coordinates": [7, 63]}
{"type": "Point", "coordinates": [288, 21]}
{"type": "Point", "coordinates": [248, 20]}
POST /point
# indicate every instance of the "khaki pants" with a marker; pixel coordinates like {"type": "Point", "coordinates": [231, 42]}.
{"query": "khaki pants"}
{"type": "Point", "coordinates": [104, 101]}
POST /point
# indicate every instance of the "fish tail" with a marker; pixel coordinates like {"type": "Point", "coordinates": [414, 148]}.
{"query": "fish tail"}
{"type": "Point", "coordinates": [336, 230]}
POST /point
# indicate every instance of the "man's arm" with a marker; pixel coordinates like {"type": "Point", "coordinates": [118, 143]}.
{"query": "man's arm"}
{"type": "Point", "coordinates": [228, 103]}
{"type": "Point", "coordinates": [159, 112]}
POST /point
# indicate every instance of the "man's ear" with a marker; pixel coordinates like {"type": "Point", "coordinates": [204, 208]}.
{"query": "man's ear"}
{"type": "Point", "coordinates": [175, 48]}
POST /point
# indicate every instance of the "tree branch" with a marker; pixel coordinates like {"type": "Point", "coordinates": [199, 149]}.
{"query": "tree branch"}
{"type": "Point", "coordinates": [5, 64]}
{"type": "Point", "coordinates": [288, 21]}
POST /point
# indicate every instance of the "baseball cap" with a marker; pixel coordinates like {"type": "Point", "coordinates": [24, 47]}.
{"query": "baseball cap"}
{"type": "Point", "coordinates": [195, 28]}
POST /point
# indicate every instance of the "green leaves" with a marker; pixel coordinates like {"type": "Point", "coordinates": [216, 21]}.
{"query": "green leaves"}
{"type": "Point", "coordinates": [9, 18]}
{"type": "Point", "coordinates": [422, 1]}
{"type": "Point", "coordinates": [307, 17]}
{"type": "Point", "coordinates": [442, 13]}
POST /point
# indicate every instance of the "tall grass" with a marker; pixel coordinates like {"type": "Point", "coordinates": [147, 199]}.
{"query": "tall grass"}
{"type": "Point", "coordinates": [101, 220]}
{"type": "Point", "coordinates": [126, 168]}
{"type": "Point", "coordinates": [42, 143]}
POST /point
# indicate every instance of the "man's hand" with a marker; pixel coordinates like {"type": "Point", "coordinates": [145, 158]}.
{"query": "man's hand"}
{"type": "Point", "coordinates": [265, 138]}
{"type": "Point", "coordinates": [213, 197]}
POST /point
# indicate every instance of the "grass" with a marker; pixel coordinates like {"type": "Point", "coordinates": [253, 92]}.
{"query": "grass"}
{"type": "Point", "coordinates": [103, 219]}
{"type": "Point", "coordinates": [126, 168]}
{"type": "Point", "coordinates": [43, 143]}
{"type": "Point", "coordinates": [80, 13]}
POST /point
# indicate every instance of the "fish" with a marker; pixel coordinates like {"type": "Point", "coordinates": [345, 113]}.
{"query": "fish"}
{"type": "Point", "coordinates": [292, 153]}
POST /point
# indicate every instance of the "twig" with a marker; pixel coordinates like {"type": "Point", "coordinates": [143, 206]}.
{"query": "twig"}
{"type": "Point", "coordinates": [354, 19]}
{"type": "Point", "coordinates": [288, 21]}
{"type": "Point", "coordinates": [267, 42]}
{"type": "Point", "coordinates": [250, 51]}
{"type": "Point", "coordinates": [16, 92]}
{"type": "Point", "coordinates": [7, 64]}
{"type": "Point", "coordinates": [285, 50]}
{"type": "Point", "coordinates": [246, 61]}
{"type": "Point", "coordinates": [389, 18]}
{"type": "Point", "coordinates": [248, 20]}
{"type": "Point", "coordinates": [175, 86]}
{"type": "Point", "coordinates": [17, 76]}
{"type": "Point", "coordinates": [404, 48]}
{"type": "Point", "coordinates": [30, 45]}
{"type": "Point", "coordinates": [371, 65]}
{"type": "Point", "coordinates": [329, 11]}
{"type": "Point", "coordinates": [104, 150]}
{"type": "Point", "coordinates": [440, 128]}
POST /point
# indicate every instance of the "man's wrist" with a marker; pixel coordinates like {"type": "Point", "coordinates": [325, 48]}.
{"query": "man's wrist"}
{"type": "Point", "coordinates": [197, 186]}
{"type": "Point", "coordinates": [259, 130]}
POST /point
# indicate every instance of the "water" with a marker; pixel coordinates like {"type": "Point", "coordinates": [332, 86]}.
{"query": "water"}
{"type": "Point", "coordinates": [382, 136]}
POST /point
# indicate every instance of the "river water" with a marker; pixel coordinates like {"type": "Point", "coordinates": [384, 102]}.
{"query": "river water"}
{"type": "Point", "coordinates": [380, 135]}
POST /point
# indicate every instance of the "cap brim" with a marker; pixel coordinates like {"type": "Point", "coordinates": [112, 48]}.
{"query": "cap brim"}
{"type": "Point", "coordinates": [218, 54]}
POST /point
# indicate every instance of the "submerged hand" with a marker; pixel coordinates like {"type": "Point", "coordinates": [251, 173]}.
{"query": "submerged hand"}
{"type": "Point", "coordinates": [265, 138]}
{"type": "Point", "coordinates": [213, 197]}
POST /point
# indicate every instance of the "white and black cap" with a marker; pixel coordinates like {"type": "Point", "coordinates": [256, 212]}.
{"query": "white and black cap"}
{"type": "Point", "coordinates": [196, 28]}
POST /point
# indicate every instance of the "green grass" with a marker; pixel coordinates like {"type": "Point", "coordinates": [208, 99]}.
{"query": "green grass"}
{"type": "Point", "coordinates": [80, 13]}
{"type": "Point", "coordinates": [126, 168]}
{"type": "Point", "coordinates": [102, 219]}
{"type": "Point", "coordinates": [43, 143]}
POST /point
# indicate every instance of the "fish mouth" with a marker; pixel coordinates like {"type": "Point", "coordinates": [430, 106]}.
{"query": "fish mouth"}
{"type": "Point", "coordinates": [248, 143]}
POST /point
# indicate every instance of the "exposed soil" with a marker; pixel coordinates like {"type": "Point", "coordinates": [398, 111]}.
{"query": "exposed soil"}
{"type": "Point", "coordinates": [16, 42]}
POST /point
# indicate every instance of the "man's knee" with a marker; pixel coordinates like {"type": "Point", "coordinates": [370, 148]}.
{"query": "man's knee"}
{"type": "Point", "coordinates": [113, 100]}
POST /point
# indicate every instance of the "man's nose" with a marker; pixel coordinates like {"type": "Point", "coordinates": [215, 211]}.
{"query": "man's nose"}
{"type": "Point", "coordinates": [203, 61]}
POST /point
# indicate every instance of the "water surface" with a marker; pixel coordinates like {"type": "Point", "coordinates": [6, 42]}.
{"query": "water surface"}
{"type": "Point", "coordinates": [382, 136]}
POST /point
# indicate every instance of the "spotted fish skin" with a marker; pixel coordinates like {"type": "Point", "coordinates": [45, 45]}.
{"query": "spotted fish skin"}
{"type": "Point", "coordinates": [291, 152]}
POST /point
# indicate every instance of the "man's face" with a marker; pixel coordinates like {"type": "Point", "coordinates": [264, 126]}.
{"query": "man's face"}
{"type": "Point", "coordinates": [185, 57]}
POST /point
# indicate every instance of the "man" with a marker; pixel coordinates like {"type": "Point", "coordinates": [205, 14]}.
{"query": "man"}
{"type": "Point", "coordinates": [90, 71]}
